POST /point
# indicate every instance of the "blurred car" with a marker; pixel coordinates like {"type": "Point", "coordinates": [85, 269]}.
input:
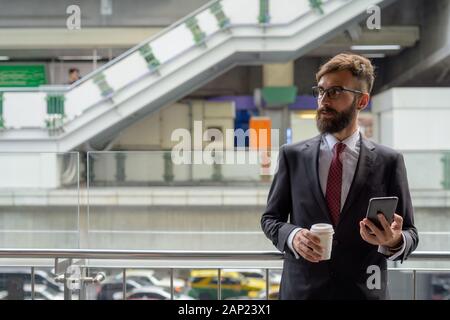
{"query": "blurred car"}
{"type": "Point", "coordinates": [3, 294]}
{"type": "Point", "coordinates": [274, 275]}
{"type": "Point", "coordinates": [260, 275]}
{"type": "Point", "coordinates": [204, 283]}
{"type": "Point", "coordinates": [152, 293]}
{"type": "Point", "coordinates": [273, 295]}
{"type": "Point", "coordinates": [150, 278]}
{"type": "Point", "coordinates": [23, 275]}
{"type": "Point", "coordinates": [42, 292]}
{"type": "Point", "coordinates": [249, 273]}
{"type": "Point", "coordinates": [109, 287]}
{"type": "Point", "coordinates": [440, 291]}
{"type": "Point", "coordinates": [239, 298]}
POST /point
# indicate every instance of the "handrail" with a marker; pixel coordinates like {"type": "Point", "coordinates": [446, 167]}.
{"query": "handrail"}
{"type": "Point", "coordinates": [139, 254]}
{"type": "Point", "coordinates": [173, 254]}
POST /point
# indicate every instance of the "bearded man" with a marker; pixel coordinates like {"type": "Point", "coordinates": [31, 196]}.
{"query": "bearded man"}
{"type": "Point", "coordinates": [330, 179]}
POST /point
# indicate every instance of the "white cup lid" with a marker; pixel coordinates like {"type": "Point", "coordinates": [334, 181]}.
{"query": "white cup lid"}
{"type": "Point", "coordinates": [322, 227]}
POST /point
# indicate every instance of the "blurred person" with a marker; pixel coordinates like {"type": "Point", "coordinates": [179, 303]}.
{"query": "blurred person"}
{"type": "Point", "coordinates": [74, 75]}
{"type": "Point", "coordinates": [330, 179]}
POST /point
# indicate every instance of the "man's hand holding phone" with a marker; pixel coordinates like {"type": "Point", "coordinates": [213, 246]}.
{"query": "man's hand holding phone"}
{"type": "Point", "coordinates": [389, 236]}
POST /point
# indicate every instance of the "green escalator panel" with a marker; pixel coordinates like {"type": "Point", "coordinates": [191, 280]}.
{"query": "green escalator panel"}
{"type": "Point", "coordinates": [316, 5]}
{"type": "Point", "coordinates": [147, 52]}
{"type": "Point", "coordinates": [222, 20]}
{"type": "Point", "coordinates": [55, 111]}
{"type": "Point", "coordinates": [264, 16]}
{"type": "Point", "coordinates": [199, 35]}
{"type": "Point", "coordinates": [103, 85]}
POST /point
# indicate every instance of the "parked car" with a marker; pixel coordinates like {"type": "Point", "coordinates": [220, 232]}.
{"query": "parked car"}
{"type": "Point", "coordinates": [42, 292]}
{"type": "Point", "coordinates": [153, 293]}
{"type": "Point", "coordinates": [150, 278]}
{"type": "Point", "coordinates": [274, 275]}
{"type": "Point", "coordinates": [23, 275]}
{"type": "Point", "coordinates": [273, 295]}
{"type": "Point", "coordinates": [440, 291]}
{"type": "Point", "coordinates": [109, 287]}
{"type": "Point", "coordinates": [259, 276]}
{"type": "Point", "coordinates": [204, 283]}
{"type": "Point", "coordinates": [3, 294]}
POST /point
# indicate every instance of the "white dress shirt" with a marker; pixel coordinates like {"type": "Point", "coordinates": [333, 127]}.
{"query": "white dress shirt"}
{"type": "Point", "coordinates": [349, 158]}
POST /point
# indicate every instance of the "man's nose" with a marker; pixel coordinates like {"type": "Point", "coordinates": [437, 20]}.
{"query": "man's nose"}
{"type": "Point", "coordinates": [324, 101]}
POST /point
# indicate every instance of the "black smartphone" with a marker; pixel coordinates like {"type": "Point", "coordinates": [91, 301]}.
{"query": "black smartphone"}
{"type": "Point", "coordinates": [384, 205]}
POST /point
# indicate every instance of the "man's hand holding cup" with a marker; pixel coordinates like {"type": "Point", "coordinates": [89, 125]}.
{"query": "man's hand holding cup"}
{"type": "Point", "coordinates": [314, 245]}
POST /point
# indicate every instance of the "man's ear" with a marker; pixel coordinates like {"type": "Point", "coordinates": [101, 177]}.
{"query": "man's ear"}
{"type": "Point", "coordinates": [363, 101]}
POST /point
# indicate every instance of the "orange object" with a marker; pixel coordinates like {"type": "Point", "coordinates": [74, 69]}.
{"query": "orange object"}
{"type": "Point", "coordinates": [260, 133]}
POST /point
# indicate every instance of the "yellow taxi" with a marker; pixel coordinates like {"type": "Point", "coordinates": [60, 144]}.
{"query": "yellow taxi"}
{"type": "Point", "coordinates": [203, 284]}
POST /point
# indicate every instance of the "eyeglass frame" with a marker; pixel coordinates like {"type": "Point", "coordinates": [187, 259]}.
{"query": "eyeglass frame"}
{"type": "Point", "coordinates": [340, 87]}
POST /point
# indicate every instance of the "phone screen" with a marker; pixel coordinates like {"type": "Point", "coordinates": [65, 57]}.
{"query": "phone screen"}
{"type": "Point", "coordinates": [384, 205]}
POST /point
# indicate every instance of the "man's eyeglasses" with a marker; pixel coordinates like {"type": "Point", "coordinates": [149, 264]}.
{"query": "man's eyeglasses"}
{"type": "Point", "coordinates": [332, 92]}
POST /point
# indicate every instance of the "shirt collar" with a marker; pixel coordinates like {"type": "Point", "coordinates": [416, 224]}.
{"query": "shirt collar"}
{"type": "Point", "coordinates": [350, 142]}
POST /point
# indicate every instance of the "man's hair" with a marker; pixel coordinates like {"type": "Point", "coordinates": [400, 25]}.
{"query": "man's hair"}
{"type": "Point", "coordinates": [359, 66]}
{"type": "Point", "coordinates": [74, 70]}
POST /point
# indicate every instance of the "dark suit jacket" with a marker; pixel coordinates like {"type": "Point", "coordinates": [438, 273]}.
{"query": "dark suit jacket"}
{"type": "Point", "coordinates": [296, 200]}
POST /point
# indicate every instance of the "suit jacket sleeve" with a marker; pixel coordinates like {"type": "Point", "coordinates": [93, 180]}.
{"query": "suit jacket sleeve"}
{"type": "Point", "coordinates": [279, 205]}
{"type": "Point", "coordinates": [399, 187]}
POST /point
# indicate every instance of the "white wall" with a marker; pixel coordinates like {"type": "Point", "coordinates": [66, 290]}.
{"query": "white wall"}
{"type": "Point", "coordinates": [303, 125]}
{"type": "Point", "coordinates": [413, 118]}
{"type": "Point", "coordinates": [29, 170]}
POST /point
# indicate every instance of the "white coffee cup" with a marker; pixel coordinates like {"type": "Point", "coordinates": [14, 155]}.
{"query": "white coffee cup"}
{"type": "Point", "coordinates": [325, 232]}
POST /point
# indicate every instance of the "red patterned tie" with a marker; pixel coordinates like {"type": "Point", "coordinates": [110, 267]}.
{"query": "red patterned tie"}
{"type": "Point", "coordinates": [334, 183]}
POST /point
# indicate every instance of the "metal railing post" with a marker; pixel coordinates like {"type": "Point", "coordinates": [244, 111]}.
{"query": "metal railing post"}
{"type": "Point", "coordinates": [124, 284]}
{"type": "Point", "coordinates": [67, 290]}
{"type": "Point", "coordinates": [32, 283]}
{"type": "Point", "coordinates": [171, 284]}
{"type": "Point", "coordinates": [219, 284]}
{"type": "Point", "coordinates": [82, 295]}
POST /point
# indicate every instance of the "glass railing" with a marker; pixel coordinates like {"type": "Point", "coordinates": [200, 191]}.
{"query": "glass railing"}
{"type": "Point", "coordinates": [39, 200]}
{"type": "Point", "coordinates": [172, 168]}
{"type": "Point", "coordinates": [158, 200]}
{"type": "Point", "coordinates": [152, 201]}
{"type": "Point", "coordinates": [427, 170]}
{"type": "Point", "coordinates": [141, 200]}
{"type": "Point", "coordinates": [149, 200]}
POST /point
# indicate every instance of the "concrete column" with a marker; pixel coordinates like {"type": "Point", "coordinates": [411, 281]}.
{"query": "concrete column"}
{"type": "Point", "coordinates": [279, 75]}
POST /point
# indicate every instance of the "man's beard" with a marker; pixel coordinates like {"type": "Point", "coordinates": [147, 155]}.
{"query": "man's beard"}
{"type": "Point", "coordinates": [338, 120]}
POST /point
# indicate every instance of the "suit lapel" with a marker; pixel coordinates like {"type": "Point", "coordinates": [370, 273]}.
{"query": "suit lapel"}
{"type": "Point", "coordinates": [311, 158]}
{"type": "Point", "coordinates": [364, 167]}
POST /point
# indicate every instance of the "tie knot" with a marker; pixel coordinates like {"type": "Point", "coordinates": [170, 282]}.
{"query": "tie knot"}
{"type": "Point", "coordinates": [339, 147]}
